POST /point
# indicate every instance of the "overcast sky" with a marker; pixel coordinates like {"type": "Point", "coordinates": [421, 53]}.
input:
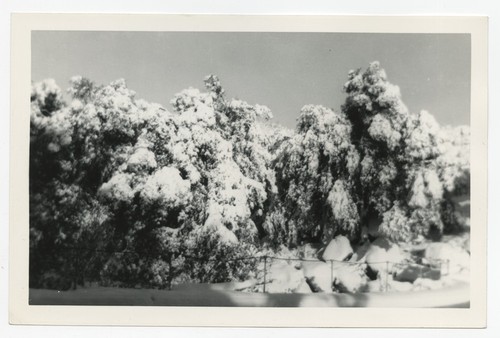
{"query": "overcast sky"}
{"type": "Point", "coordinates": [284, 71]}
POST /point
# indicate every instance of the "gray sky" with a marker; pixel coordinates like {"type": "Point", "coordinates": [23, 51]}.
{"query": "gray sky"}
{"type": "Point", "coordinates": [284, 71]}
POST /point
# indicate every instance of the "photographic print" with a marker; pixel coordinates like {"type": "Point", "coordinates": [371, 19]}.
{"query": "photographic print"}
{"type": "Point", "coordinates": [263, 169]}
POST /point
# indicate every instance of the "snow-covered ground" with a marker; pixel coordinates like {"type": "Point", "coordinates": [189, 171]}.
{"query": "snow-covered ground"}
{"type": "Point", "coordinates": [222, 295]}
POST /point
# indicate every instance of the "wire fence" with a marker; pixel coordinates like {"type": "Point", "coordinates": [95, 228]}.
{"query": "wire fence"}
{"type": "Point", "coordinates": [386, 270]}
{"type": "Point", "coordinates": [383, 271]}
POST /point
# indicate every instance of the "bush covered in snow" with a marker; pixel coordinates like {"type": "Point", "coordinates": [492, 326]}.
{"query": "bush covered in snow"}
{"type": "Point", "coordinates": [170, 185]}
{"type": "Point", "coordinates": [126, 192]}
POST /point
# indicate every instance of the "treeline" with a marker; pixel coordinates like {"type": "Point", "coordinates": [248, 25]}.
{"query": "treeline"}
{"type": "Point", "coordinates": [125, 192]}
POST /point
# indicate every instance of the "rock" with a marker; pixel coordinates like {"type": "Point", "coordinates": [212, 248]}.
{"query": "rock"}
{"type": "Point", "coordinates": [343, 277]}
{"type": "Point", "coordinates": [383, 242]}
{"type": "Point", "coordinates": [409, 273]}
{"type": "Point", "coordinates": [360, 252]}
{"type": "Point", "coordinates": [283, 278]}
{"type": "Point", "coordinates": [372, 275]}
{"type": "Point", "coordinates": [303, 287]}
{"type": "Point", "coordinates": [318, 276]}
{"type": "Point", "coordinates": [312, 285]}
{"type": "Point", "coordinates": [451, 259]}
{"type": "Point", "coordinates": [349, 277]}
{"type": "Point", "coordinates": [338, 249]}
{"type": "Point", "coordinates": [383, 256]}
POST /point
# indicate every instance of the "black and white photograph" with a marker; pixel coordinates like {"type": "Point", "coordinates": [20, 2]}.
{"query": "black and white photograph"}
{"type": "Point", "coordinates": [250, 169]}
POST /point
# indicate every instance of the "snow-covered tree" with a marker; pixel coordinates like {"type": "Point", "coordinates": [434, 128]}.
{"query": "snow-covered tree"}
{"type": "Point", "coordinates": [314, 169]}
{"type": "Point", "coordinates": [406, 161]}
{"type": "Point", "coordinates": [379, 127]}
{"type": "Point", "coordinates": [453, 167]}
{"type": "Point", "coordinates": [373, 163]}
{"type": "Point", "coordinates": [130, 193]}
{"type": "Point", "coordinates": [165, 180]}
{"type": "Point", "coordinates": [210, 153]}
{"type": "Point", "coordinates": [67, 224]}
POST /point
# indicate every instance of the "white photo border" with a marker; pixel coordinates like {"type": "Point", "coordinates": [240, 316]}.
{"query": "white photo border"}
{"type": "Point", "coordinates": [22, 313]}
